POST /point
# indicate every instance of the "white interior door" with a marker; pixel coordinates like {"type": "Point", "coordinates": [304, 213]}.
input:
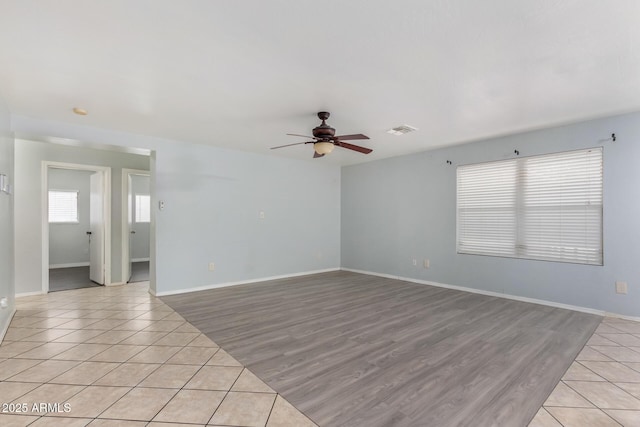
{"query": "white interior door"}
{"type": "Point", "coordinates": [96, 224]}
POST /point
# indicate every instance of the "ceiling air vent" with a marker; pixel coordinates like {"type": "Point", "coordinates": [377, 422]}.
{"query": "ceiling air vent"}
{"type": "Point", "coordinates": [401, 130]}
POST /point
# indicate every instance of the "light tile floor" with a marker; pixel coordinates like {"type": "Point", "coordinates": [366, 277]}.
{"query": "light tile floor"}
{"type": "Point", "coordinates": [118, 356]}
{"type": "Point", "coordinates": [602, 386]}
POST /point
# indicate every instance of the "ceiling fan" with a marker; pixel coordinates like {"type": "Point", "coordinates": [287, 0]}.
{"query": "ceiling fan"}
{"type": "Point", "coordinates": [324, 139]}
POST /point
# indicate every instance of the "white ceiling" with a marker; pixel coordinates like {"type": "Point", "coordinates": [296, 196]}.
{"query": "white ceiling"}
{"type": "Point", "coordinates": [241, 74]}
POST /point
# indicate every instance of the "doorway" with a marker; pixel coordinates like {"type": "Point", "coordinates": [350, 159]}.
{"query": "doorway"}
{"type": "Point", "coordinates": [76, 226]}
{"type": "Point", "coordinates": [136, 220]}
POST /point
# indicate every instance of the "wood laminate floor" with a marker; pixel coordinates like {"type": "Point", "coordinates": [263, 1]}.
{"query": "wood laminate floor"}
{"type": "Point", "coordinates": [350, 349]}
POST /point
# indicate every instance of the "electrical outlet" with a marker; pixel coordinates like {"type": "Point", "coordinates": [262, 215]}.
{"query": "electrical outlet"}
{"type": "Point", "coordinates": [426, 263]}
{"type": "Point", "coordinates": [415, 262]}
{"type": "Point", "coordinates": [212, 266]}
{"type": "Point", "coordinates": [621, 288]}
{"type": "Point", "coordinates": [261, 214]}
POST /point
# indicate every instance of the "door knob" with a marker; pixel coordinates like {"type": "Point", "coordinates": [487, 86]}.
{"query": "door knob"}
{"type": "Point", "coordinates": [133, 232]}
{"type": "Point", "coordinates": [88, 232]}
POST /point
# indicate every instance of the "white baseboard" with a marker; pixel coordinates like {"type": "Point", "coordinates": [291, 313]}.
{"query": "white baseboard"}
{"type": "Point", "coordinates": [139, 259]}
{"type": "Point", "coordinates": [241, 282]}
{"type": "Point", "coordinates": [30, 294]}
{"type": "Point", "coordinates": [487, 293]}
{"type": "Point", "coordinates": [114, 284]}
{"type": "Point", "coordinates": [68, 265]}
{"type": "Point", "coordinates": [622, 316]}
{"type": "Point", "coordinates": [152, 292]}
{"type": "Point", "coordinates": [5, 328]}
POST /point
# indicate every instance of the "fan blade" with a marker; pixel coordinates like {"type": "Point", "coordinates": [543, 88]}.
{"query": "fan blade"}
{"type": "Point", "coordinates": [353, 147]}
{"type": "Point", "coordinates": [316, 155]}
{"type": "Point", "coordinates": [348, 137]}
{"type": "Point", "coordinates": [304, 136]}
{"type": "Point", "coordinates": [289, 145]}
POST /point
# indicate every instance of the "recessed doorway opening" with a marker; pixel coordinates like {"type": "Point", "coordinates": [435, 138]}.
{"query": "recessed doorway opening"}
{"type": "Point", "coordinates": [136, 225]}
{"type": "Point", "coordinates": [76, 219]}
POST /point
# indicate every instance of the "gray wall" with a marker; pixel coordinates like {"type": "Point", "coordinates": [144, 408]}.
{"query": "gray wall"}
{"type": "Point", "coordinates": [212, 201]}
{"type": "Point", "coordinates": [6, 219]}
{"type": "Point", "coordinates": [140, 240]}
{"type": "Point", "coordinates": [28, 225]}
{"type": "Point", "coordinates": [69, 243]}
{"type": "Point", "coordinates": [405, 207]}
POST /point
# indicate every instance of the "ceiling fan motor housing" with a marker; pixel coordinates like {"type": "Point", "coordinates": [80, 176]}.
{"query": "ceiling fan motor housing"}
{"type": "Point", "coordinates": [324, 131]}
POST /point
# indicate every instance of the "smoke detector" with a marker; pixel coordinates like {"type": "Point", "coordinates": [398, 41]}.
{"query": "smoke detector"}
{"type": "Point", "coordinates": [401, 130]}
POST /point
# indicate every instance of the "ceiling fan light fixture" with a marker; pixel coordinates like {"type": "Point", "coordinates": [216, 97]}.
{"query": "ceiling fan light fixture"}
{"type": "Point", "coordinates": [323, 147]}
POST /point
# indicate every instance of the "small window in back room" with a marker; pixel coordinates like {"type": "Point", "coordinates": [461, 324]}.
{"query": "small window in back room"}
{"type": "Point", "coordinates": [63, 206]}
{"type": "Point", "coordinates": [143, 208]}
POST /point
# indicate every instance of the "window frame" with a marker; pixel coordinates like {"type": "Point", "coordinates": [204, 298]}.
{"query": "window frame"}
{"type": "Point", "coordinates": [77, 206]}
{"type": "Point", "coordinates": [524, 236]}
{"type": "Point", "coordinates": [137, 209]}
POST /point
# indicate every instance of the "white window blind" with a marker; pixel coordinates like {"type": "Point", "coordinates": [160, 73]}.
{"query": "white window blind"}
{"type": "Point", "coordinates": [545, 207]}
{"type": "Point", "coordinates": [143, 208]}
{"type": "Point", "coordinates": [63, 206]}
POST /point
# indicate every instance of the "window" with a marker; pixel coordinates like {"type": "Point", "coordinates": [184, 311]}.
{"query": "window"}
{"type": "Point", "coordinates": [63, 206]}
{"type": "Point", "coordinates": [143, 208]}
{"type": "Point", "coordinates": [545, 207]}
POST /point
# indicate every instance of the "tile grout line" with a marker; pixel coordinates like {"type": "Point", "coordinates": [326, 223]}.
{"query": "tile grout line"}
{"type": "Point", "coordinates": [229, 391]}
{"type": "Point", "coordinates": [270, 410]}
{"type": "Point", "coordinates": [552, 416]}
{"type": "Point", "coordinates": [178, 390]}
{"type": "Point", "coordinates": [82, 361]}
{"type": "Point", "coordinates": [160, 366]}
{"type": "Point", "coordinates": [595, 406]}
{"type": "Point", "coordinates": [142, 380]}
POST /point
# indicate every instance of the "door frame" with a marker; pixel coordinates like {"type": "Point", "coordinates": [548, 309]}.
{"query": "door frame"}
{"type": "Point", "coordinates": [126, 235]}
{"type": "Point", "coordinates": [46, 165]}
